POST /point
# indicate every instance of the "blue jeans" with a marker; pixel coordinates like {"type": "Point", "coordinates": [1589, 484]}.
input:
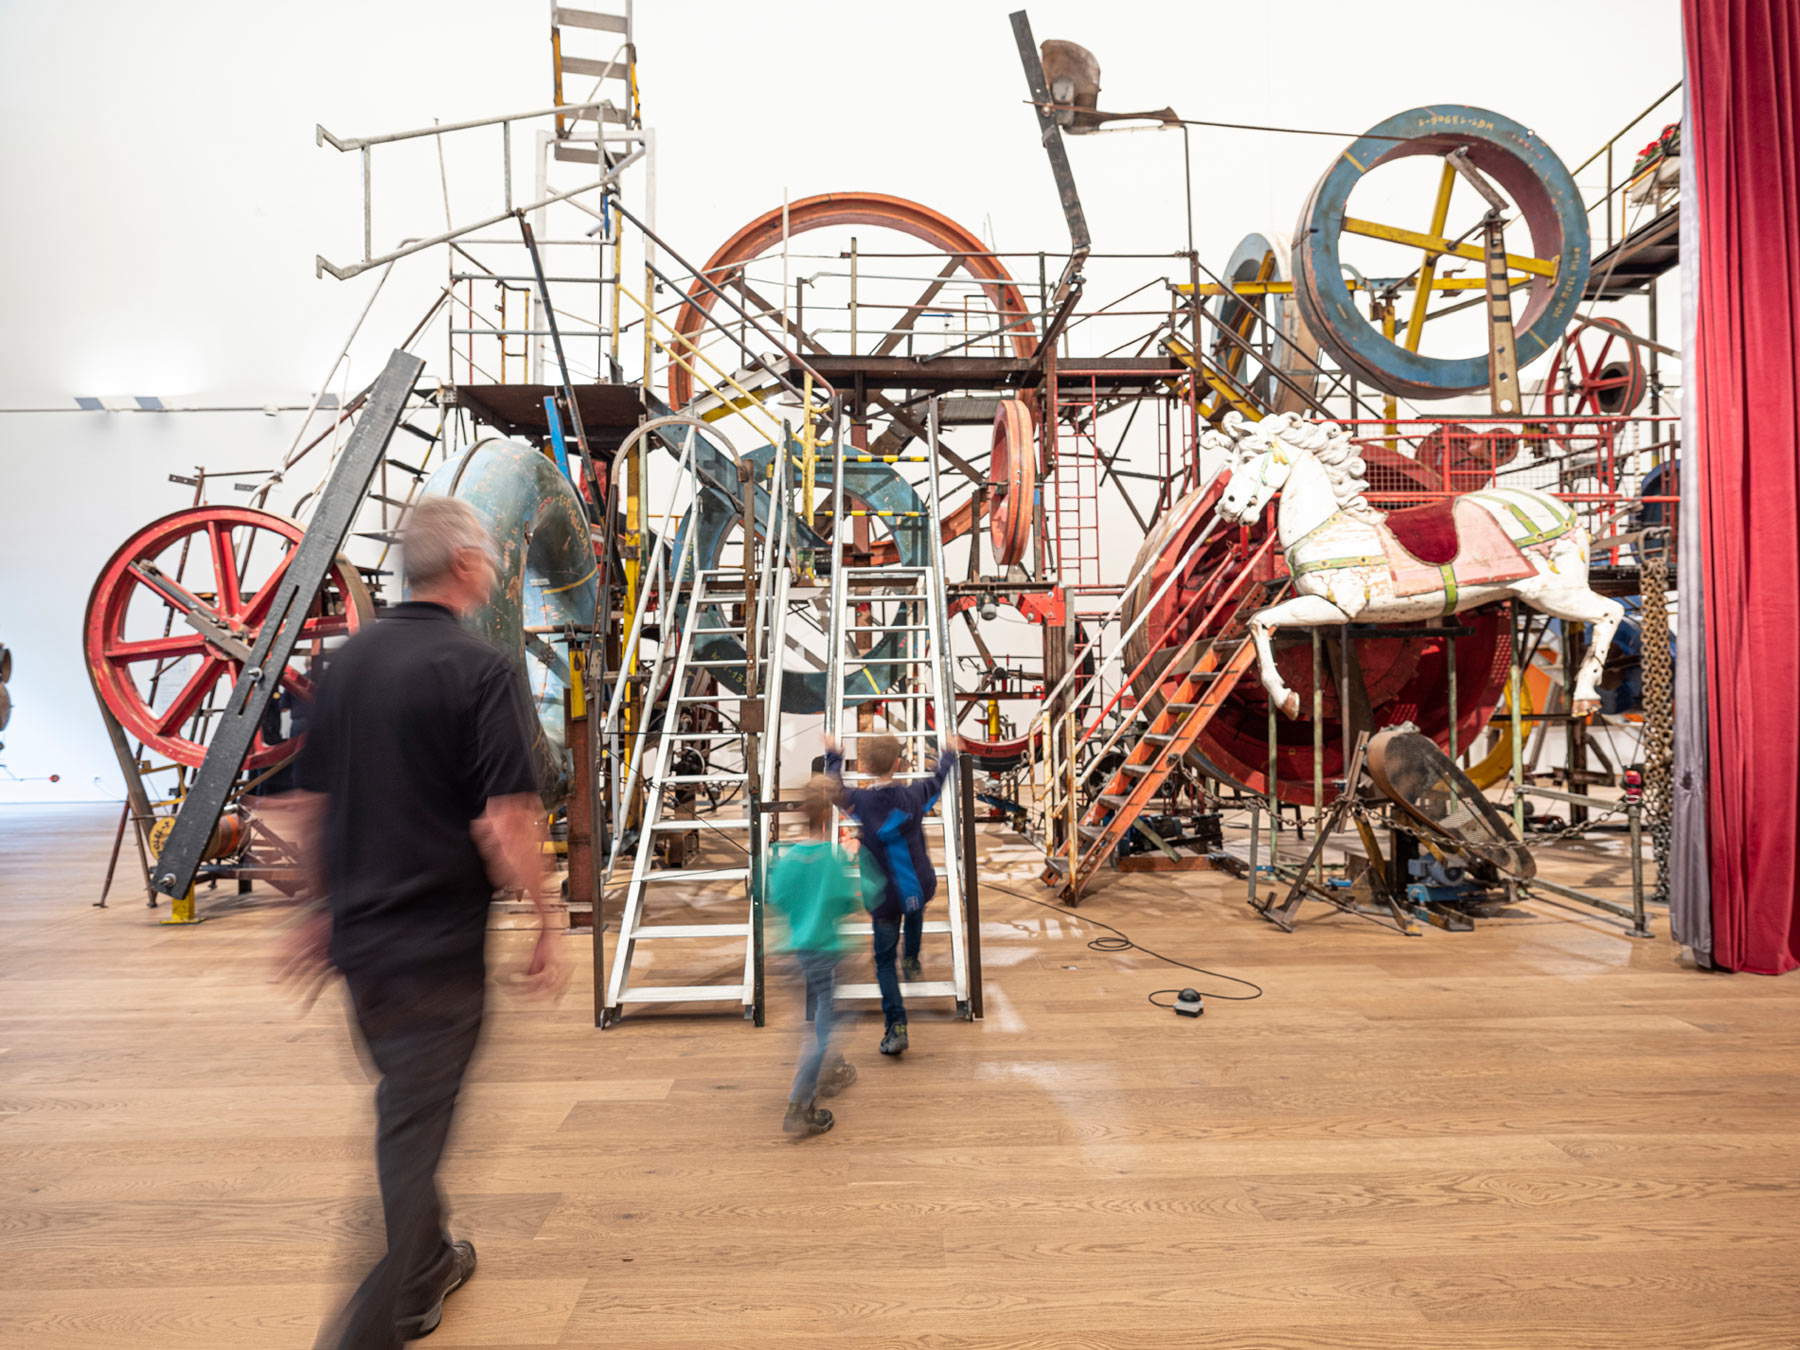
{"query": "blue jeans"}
{"type": "Point", "coordinates": [888, 940]}
{"type": "Point", "coordinates": [820, 972]}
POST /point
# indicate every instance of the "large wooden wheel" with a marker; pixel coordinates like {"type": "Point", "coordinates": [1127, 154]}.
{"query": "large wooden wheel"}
{"type": "Point", "coordinates": [175, 612]}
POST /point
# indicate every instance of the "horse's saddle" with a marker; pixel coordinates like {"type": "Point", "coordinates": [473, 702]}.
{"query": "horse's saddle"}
{"type": "Point", "coordinates": [1449, 546]}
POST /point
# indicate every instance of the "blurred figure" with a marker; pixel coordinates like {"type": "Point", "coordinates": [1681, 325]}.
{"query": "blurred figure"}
{"type": "Point", "coordinates": [813, 890]}
{"type": "Point", "coordinates": [890, 816]}
{"type": "Point", "coordinates": [421, 796]}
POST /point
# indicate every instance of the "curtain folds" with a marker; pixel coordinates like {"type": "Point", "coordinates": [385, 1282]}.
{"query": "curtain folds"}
{"type": "Point", "coordinates": [1742, 162]}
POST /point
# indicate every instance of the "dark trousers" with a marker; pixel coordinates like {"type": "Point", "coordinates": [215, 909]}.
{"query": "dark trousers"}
{"type": "Point", "coordinates": [894, 929]}
{"type": "Point", "coordinates": [420, 1030]}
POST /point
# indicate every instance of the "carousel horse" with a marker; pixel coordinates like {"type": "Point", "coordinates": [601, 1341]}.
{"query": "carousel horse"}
{"type": "Point", "coordinates": [1351, 563]}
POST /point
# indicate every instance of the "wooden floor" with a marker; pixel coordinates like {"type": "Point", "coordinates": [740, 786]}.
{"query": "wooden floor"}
{"type": "Point", "coordinates": [1539, 1134]}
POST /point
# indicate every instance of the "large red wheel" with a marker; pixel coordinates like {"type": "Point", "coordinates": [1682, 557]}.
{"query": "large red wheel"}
{"type": "Point", "coordinates": [873, 209]}
{"type": "Point", "coordinates": [1406, 676]}
{"type": "Point", "coordinates": [1598, 372]}
{"type": "Point", "coordinates": [1012, 480]}
{"type": "Point", "coordinates": [176, 610]}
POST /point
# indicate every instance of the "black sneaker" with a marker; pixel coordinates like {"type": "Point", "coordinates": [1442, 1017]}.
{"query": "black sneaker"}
{"type": "Point", "coordinates": [838, 1077]}
{"type": "Point", "coordinates": [456, 1274]}
{"type": "Point", "coordinates": [894, 1043]}
{"type": "Point", "coordinates": [910, 969]}
{"type": "Point", "coordinates": [804, 1120]}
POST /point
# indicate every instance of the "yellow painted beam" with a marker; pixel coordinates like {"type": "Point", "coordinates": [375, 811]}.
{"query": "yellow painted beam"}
{"type": "Point", "coordinates": [1436, 243]}
{"type": "Point", "coordinates": [1224, 394]}
{"type": "Point", "coordinates": [1440, 215]}
{"type": "Point", "coordinates": [1250, 288]}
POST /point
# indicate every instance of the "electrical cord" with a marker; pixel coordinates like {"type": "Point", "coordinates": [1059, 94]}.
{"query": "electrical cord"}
{"type": "Point", "coordinates": [1121, 942]}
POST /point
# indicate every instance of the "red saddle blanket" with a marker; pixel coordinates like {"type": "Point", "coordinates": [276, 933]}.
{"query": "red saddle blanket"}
{"type": "Point", "coordinates": [1422, 541]}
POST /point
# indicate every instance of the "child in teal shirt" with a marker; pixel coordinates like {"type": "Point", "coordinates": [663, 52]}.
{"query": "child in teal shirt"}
{"type": "Point", "coordinates": [814, 889]}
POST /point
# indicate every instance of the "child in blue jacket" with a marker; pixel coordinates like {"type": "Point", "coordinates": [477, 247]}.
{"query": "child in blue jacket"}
{"type": "Point", "coordinates": [890, 816]}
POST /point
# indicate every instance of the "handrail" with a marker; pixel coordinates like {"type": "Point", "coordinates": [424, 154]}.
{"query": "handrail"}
{"type": "Point", "coordinates": [779, 344]}
{"type": "Point", "coordinates": [1200, 630]}
{"type": "Point", "coordinates": [738, 408]}
{"type": "Point", "coordinates": [659, 574]}
{"type": "Point", "coordinates": [324, 137]}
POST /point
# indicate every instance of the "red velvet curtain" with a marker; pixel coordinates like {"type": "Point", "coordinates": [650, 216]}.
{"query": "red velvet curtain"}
{"type": "Point", "coordinates": [1742, 161]}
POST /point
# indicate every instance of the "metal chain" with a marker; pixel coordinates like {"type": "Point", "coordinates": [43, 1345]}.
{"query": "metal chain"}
{"type": "Point", "coordinates": [1574, 831]}
{"type": "Point", "coordinates": [1659, 713]}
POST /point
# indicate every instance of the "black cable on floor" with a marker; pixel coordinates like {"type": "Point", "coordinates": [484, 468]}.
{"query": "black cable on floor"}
{"type": "Point", "coordinates": [1120, 942]}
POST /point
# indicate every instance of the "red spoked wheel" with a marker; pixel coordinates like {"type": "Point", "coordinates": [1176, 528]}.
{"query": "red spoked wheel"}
{"type": "Point", "coordinates": [1598, 372]}
{"type": "Point", "coordinates": [176, 610]}
{"type": "Point", "coordinates": [1012, 480]}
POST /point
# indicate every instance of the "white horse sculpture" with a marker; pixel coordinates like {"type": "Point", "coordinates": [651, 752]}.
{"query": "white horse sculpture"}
{"type": "Point", "coordinates": [1348, 566]}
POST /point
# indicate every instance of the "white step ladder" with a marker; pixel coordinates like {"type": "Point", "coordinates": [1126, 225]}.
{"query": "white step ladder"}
{"type": "Point", "coordinates": [725, 606]}
{"type": "Point", "coordinates": [907, 602]}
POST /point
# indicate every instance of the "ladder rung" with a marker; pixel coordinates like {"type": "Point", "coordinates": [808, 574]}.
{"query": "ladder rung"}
{"type": "Point", "coordinates": [738, 662]}
{"type": "Point", "coordinates": [715, 696]}
{"type": "Point", "coordinates": [1111, 798]}
{"type": "Point", "coordinates": [909, 988]}
{"type": "Point", "coordinates": [929, 926]}
{"type": "Point", "coordinates": [696, 874]}
{"type": "Point", "coordinates": [683, 993]}
{"type": "Point", "coordinates": [1139, 769]}
{"type": "Point", "coordinates": [696, 823]}
{"type": "Point", "coordinates": [691, 930]}
{"type": "Point", "coordinates": [706, 778]}
{"type": "Point", "coordinates": [889, 628]}
{"type": "Point", "coordinates": [599, 70]}
{"type": "Point", "coordinates": [1160, 737]}
{"type": "Point", "coordinates": [584, 18]}
{"type": "Point", "coordinates": [896, 569]}
{"type": "Point", "coordinates": [702, 735]}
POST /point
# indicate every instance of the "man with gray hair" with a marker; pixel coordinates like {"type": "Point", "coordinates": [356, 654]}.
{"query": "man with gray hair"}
{"type": "Point", "coordinates": [424, 801]}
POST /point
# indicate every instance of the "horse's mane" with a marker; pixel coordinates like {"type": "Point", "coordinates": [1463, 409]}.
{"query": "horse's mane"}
{"type": "Point", "coordinates": [1326, 442]}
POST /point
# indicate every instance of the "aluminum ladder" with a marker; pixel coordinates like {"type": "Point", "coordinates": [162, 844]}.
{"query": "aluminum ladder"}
{"type": "Point", "coordinates": [725, 605]}
{"type": "Point", "coordinates": [919, 706]}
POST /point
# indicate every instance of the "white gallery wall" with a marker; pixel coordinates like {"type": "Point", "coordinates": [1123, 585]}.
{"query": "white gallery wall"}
{"type": "Point", "coordinates": [162, 199]}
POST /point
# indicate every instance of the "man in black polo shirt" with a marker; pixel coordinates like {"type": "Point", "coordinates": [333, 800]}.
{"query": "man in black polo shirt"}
{"type": "Point", "coordinates": [425, 803]}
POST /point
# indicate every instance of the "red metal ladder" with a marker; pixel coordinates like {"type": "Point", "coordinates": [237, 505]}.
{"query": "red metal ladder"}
{"type": "Point", "coordinates": [1221, 651]}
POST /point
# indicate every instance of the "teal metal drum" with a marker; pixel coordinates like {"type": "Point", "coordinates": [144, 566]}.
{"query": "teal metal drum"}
{"type": "Point", "coordinates": [548, 575]}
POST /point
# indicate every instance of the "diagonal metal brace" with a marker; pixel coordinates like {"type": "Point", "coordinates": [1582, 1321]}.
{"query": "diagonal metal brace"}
{"type": "Point", "coordinates": [256, 684]}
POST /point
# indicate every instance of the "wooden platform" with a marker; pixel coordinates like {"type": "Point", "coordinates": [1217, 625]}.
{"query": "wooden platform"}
{"type": "Point", "coordinates": [1538, 1134]}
